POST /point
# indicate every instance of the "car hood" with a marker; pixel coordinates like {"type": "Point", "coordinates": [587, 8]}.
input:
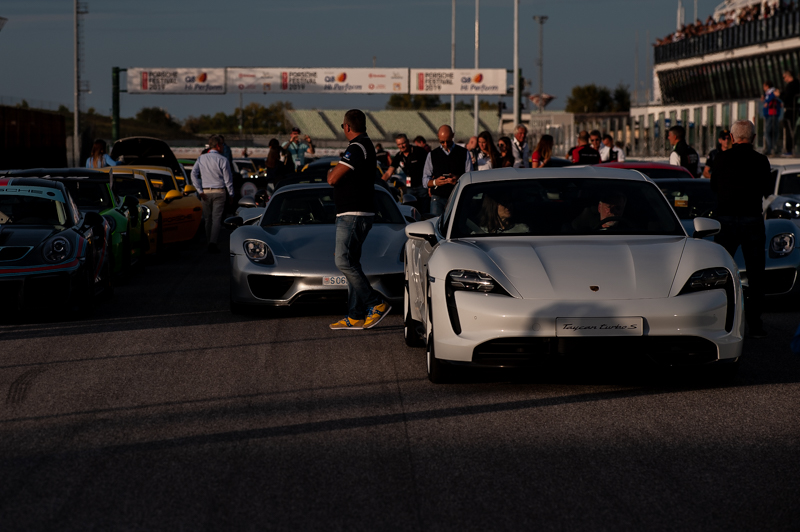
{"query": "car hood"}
{"type": "Point", "coordinates": [316, 243]}
{"type": "Point", "coordinates": [20, 235]}
{"type": "Point", "coordinates": [619, 267]}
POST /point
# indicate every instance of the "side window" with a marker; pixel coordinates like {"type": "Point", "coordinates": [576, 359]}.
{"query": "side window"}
{"type": "Point", "coordinates": [444, 220]}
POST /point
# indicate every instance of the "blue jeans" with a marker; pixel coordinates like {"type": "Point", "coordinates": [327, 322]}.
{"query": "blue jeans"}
{"type": "Point", "coordinates": [351, 232]}
{"type": "Point", "coordinates": [423, 200]}
{"type": "Point", "coordinates": [438, 205]}
{"type": "Point", "coordinates": [771, 131]}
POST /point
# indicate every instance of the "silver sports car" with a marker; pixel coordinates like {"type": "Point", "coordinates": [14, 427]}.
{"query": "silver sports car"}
{"type": "Point", "coordinates": [287, 254]}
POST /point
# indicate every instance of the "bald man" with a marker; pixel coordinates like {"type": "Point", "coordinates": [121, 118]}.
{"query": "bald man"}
{"type": "Point", "coordinates": [443, 167]}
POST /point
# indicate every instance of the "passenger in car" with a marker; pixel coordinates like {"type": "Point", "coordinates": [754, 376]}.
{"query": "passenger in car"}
{"type": "Point", "coordinates": [610, 206]}
{"type": "Point", "coordinates": [497, 216]}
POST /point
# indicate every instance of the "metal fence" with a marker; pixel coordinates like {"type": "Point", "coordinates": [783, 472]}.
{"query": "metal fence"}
{"type": "Point", "coordinates": [781, 25]}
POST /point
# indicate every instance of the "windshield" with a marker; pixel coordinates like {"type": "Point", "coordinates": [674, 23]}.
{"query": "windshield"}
{"type": "Point", "coordinates": [790, 184]}
{"type": "Point", "coordinates": [89, 194]}
{"type": "Point", "coordinates": [554, 207]}
{"type": "Point", "coordinates": [690, 199]}
{"type": "Point", "coordinates": [246, 165]}
{"type": "Point", "coordinates": [127, 185]}
{"type": "Point", "coordinates": [26, 206]}
{"type": "Point", "coordinates": [316, 206]}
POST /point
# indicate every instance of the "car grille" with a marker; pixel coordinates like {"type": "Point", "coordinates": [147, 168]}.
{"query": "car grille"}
{"type": "Point", "coordinates": [673, 351]}
{"type": "Point", "coordinates": [269, 286]}
{"type": "Point", "coordinates": [779, 281]}
{"type": "Point", "coordinates": [8, 253]}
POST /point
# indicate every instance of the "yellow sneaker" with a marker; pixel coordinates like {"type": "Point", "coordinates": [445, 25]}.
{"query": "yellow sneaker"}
{"type": "Point", "coordinates": [348, 324]}
{"type": "Point", "coordinates": [376, 314]}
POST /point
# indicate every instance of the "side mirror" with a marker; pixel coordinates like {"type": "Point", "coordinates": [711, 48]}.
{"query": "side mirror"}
{"type": "Point", "coordinates": [422, 231]}
{"type": "Point", "coordinates": [172, 195]}
{"type": "Point", "coordinates": [234, 222]}
{"type": "Point", "coordinates": [704, 227]}
{"type": "Point", "coordinates": [189, 189]}
{"type": "Point", "coordinates": [92, 219]}
{"type": "Point", "coordinates": [248, 202]}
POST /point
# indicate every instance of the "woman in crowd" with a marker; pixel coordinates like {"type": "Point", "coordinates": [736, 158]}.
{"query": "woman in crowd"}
{"type": "Point", "coordinates": [274, 163]}
{"type": "Point", "coordinates": [506, 157]}
{"type": "Point", "coordinates": [543, 152]}
{"type": "Point", "coordinates": [99, 157]}
{"type": "Point", "coordinates": [488, 157]}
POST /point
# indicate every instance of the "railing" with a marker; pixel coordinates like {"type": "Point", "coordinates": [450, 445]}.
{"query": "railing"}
{"type": "Point", "coordinates": [782, 25]}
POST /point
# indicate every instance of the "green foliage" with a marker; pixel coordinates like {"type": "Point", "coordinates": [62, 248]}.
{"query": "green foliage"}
{"type": "Point", "coordinates": [597, 99]}
{"type": "Point", "coordinates": [418, 101]}
{"type": "Point", "coordinates": [256, 118]}
{"type": "Point", "coordinates": [157, 117]}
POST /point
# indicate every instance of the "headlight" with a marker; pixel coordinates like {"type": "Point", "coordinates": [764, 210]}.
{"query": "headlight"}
{"type": "Point", "coordinates": [707, 280]}
{"type": "Point", "coordinates": [146, 212]}
{"type": "Point", "coordinates": [258, 251]}
{"type": "Point", "coordinates": [470, 281]}
{"type": "Point", "coordinates": [781, 245]}
{"type": "Point", "coordinates": [792, 207]}
{"type": "Point", "coordinates": [57, 249]}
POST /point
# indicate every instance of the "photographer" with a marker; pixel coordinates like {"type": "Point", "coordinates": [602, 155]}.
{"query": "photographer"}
{"type": "Point", "coordinates": [443, 167]}
{"type": "Point", "coordinates": [298, 148]}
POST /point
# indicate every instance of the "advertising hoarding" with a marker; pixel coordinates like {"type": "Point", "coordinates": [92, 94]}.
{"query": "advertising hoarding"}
{"type": "Point", "coordinates": [176, 80]}
{"type": "Point", "coordinates": [318, 80]}
{"type": "Point", "coordinates": [447, 81]}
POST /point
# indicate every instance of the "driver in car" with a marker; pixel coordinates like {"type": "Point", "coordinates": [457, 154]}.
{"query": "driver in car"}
{"type": "Point", "coordinates": [606, 215]}
{"type": "Point", "coordinates": [497, 216]}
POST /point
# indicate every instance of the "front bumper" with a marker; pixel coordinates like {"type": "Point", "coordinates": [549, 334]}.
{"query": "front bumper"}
{"type": "Point", "coordinates": [682, 325]}
{"type": "Point", "coordinates": [39, 291]}
{"type": "Point", "coordinates": [266, 285]}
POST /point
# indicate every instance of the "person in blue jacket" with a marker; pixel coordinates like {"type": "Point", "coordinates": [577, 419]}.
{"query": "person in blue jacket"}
{"type": "Point", "coordinates": [99, 157]}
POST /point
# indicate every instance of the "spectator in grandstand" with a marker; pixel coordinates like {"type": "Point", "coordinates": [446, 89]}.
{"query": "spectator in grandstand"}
{"type": "Point", "coordinates": [99, 158]}
{"type": "Point", "coordinates": [724, 143]}
{"type": "Point", "coordinates": [420, 141]}
{"type": "Point", "coordinates": [682, 154]}
{"type": "Point", "coordinates": [411, 160]}
{"type": "Point", "coordinates": [519, 147]}
{"type": "Point", "coordinates": [443, 168]}
{"type": "Point", "coordinates": [488, 157]}
{"type": "Point", "coordinates": [504, 147]}
{"type": "Point", "coordinates": [609, 153]}
{"type": "Point", "coordinates": [772, 110]}
{"type": "Point", "coordinates": [299, 148]}
{"type": "Point", "coordinates": [583, 153]}
{"type": "Point", "coordinates": [543, 152]}
{"type": "Point", "coordinates": [789, 94]}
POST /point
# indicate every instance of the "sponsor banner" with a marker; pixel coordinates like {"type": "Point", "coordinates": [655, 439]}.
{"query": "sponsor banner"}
{"type": "Point", "coordinates": [176, 80]}
{"type": "Point", "coordinates": [318, 80]}
{"type": "Point", "coordinates": [446, 81]}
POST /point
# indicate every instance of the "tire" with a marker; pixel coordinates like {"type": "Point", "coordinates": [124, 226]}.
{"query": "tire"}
{"type": "Point", "coordinates": [127, 258]}
{"type": "Point", "coordinates": [410, 327]}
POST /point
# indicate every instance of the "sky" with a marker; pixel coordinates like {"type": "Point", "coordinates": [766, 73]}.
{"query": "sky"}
{"type": "Point", "coordinates": [585, 41]}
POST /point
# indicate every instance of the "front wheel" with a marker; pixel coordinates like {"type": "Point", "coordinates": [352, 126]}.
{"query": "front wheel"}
{"type": "Point", "coordinates": [438, 371]}
{"type": "Point", "coordinates": [410, 327]}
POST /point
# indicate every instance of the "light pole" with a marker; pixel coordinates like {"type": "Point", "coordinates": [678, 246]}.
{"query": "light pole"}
{"type": "Point", "coordinates": [453, 66]}
{"type": "Point", "coordinates": [541, 19]}
{"type": "Point", "coordinates": [516, 64]}
{"type": "Point", "coordinates": [477, 53]}
{"type": "Point", "coordinates": [3, 21]}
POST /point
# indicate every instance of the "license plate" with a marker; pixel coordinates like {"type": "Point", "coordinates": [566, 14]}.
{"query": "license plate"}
{"type": "Point", "coordinates": [599, 326]}
{"type": "Point", "coordinates": [334, 280]}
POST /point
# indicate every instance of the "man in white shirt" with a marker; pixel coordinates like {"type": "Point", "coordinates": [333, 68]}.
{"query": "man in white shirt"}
{"type": "Point", "coordinates": [213, 180]}
{"type": "Point", "coordinates": [519, 147]}
{"type": "Point", "coordinates": [609, 153]}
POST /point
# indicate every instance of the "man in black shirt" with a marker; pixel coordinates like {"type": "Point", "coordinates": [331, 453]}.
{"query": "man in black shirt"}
{"type": "Point", "coordinates": [789, 94]}
{"type": "Point", "coordinates": [724, 143]}
{"type": "Point", "coordinates": [682, 154]}
{"type": "Point", "coordinates": [353, 181]}
{"type": "Point", "coordinates": [741, 178]}
{"type": "Point", "coordinates": [411, 159]}
{"type": "Point", "coordinates": [583, 153]}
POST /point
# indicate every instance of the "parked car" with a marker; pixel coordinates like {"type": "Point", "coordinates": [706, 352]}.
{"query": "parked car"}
{"type": "Point", "coordinates": [653, 170]}
{"type": "Point", "coordinates": [91, 190]}
{"type": "Point", "coordinates": [526, 264]}
{"type": "Point", "coordinates": [148, 151]}
{"type": "Point", "coordinates": [52, 255]}
{"type": "Point", "coordinates": [288, 255]}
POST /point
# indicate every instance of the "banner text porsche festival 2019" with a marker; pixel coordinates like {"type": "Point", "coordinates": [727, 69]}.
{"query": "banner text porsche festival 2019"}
{"type": "Point", "coordinates": [315, 80]}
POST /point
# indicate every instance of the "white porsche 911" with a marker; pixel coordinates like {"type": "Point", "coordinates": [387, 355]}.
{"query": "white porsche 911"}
{"type": "Point", "coordinates": [526, 264]}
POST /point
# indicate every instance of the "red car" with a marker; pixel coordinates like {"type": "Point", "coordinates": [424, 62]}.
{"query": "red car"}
{"type": "Point", "coordinates": [654, 170]}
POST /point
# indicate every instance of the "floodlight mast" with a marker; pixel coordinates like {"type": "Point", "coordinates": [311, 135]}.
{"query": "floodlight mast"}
{"type": "Point", "coordinates": [3, 21]}
{"type": "Point", "coordinates": [541, 19]}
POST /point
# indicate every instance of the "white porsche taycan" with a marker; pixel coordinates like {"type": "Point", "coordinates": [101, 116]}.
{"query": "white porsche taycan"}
{"type": "Point", "coordinates": [527, 264]}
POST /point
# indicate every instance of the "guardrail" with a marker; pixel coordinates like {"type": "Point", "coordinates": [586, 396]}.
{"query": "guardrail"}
{"type": "Point", "coordinates": [782, 25]}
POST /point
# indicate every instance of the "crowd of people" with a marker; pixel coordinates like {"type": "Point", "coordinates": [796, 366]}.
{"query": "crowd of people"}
{"type": "Point", "coordinates": [760, 11]}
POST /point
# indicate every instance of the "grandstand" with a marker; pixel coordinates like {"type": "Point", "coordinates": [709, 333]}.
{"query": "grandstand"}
{"type": "Point", "coordinates": [323, 124]}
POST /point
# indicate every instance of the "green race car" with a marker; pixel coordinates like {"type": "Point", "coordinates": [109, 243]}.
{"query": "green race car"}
{"type": "Point", "coordinates": [92, 192]}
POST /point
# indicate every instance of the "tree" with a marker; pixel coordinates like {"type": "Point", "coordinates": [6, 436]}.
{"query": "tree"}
{"type": "Point", "coordinates": [255, 117]}
{"type": "Point", "coordinates": [590, 99]}
{"type": "Point", "coordinates": [418, 101]}
{"type": "Point", "coordinates": [157, 117]}
{"type": "Point", "coordinates": [622, 99]}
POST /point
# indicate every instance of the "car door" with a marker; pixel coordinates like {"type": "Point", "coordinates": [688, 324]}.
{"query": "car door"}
{"type": "Point", "coordinates": [179, 220]}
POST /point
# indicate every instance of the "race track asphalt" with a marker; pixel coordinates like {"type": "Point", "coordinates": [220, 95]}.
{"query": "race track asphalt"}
{"type": "Point", "coordinates": [164, 411]}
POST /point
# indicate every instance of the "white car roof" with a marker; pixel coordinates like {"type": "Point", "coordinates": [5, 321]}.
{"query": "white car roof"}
{"type": "Point", "coordinates": [586, 172]}
{"type": "Point", "coordinates": [789, 168]}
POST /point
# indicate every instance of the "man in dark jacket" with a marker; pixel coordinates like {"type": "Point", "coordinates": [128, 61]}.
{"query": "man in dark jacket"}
{"type": "Point", "coordinates": [443, 168]}
{"type": "Point", "coordinates": [683, 154]}
{"type": "Point", "coordinates": [789, 94]}
{"type": "Point", "coordinates": [741, 178]}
